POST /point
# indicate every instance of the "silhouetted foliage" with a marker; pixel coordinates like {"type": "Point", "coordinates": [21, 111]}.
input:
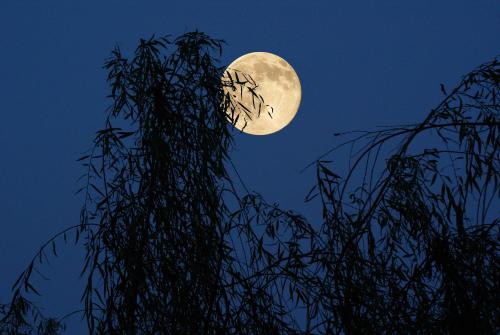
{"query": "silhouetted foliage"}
{"type": "Point", "coordinates": [415, 248]}
{"type": "Point", "coordinates": [408, 242]}
{"type": "Point", "coordinates": [164, 252]}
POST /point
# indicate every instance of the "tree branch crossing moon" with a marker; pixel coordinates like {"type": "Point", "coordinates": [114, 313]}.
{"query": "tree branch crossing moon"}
{"type": "Point", "coordinates": [272, 98]}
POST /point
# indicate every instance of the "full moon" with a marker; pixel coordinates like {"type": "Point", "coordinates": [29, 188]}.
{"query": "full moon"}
{"type": "Point", "coordinates": [271, 97]}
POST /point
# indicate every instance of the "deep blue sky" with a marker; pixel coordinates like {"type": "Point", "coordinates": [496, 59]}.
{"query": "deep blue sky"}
{"type": "Point", "coordinates": [361, 64]}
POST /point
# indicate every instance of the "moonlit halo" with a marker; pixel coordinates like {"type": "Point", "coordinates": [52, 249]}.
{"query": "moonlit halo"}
{"type": "Point", "coordinates": [279, 86]}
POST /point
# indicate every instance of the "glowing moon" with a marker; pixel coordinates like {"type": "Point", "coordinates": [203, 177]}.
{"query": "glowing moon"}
{"type": "Point", "coordinates": [276, 82]}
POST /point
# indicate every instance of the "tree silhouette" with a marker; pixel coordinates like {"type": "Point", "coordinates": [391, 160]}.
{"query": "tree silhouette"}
{"type": "Point", "coordinates": [408, 244]}
{"type": "Point", "coordinates": [415, 248]}
{"type": "Point", "coordinates": [163, 252]}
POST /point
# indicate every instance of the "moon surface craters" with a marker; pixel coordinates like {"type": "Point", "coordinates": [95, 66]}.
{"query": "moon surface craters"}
{"type": "Point", "coordinates": [274, 72]}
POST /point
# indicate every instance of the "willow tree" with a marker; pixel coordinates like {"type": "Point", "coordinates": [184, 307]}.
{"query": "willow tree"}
{"type": "Point", "coordinates": [411, 234]}
{"type": "Point", "coordinates": [171, 247]}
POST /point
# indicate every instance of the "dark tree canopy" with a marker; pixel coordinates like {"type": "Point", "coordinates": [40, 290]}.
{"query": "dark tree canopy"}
{"type": "Point", "coordinates": [409, 241]}
{"type": "Point", "coordinates": [414, 248]}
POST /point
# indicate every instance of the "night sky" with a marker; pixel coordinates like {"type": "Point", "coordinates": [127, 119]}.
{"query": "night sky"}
{"type": "Point", "coordinates": [362, 64]}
